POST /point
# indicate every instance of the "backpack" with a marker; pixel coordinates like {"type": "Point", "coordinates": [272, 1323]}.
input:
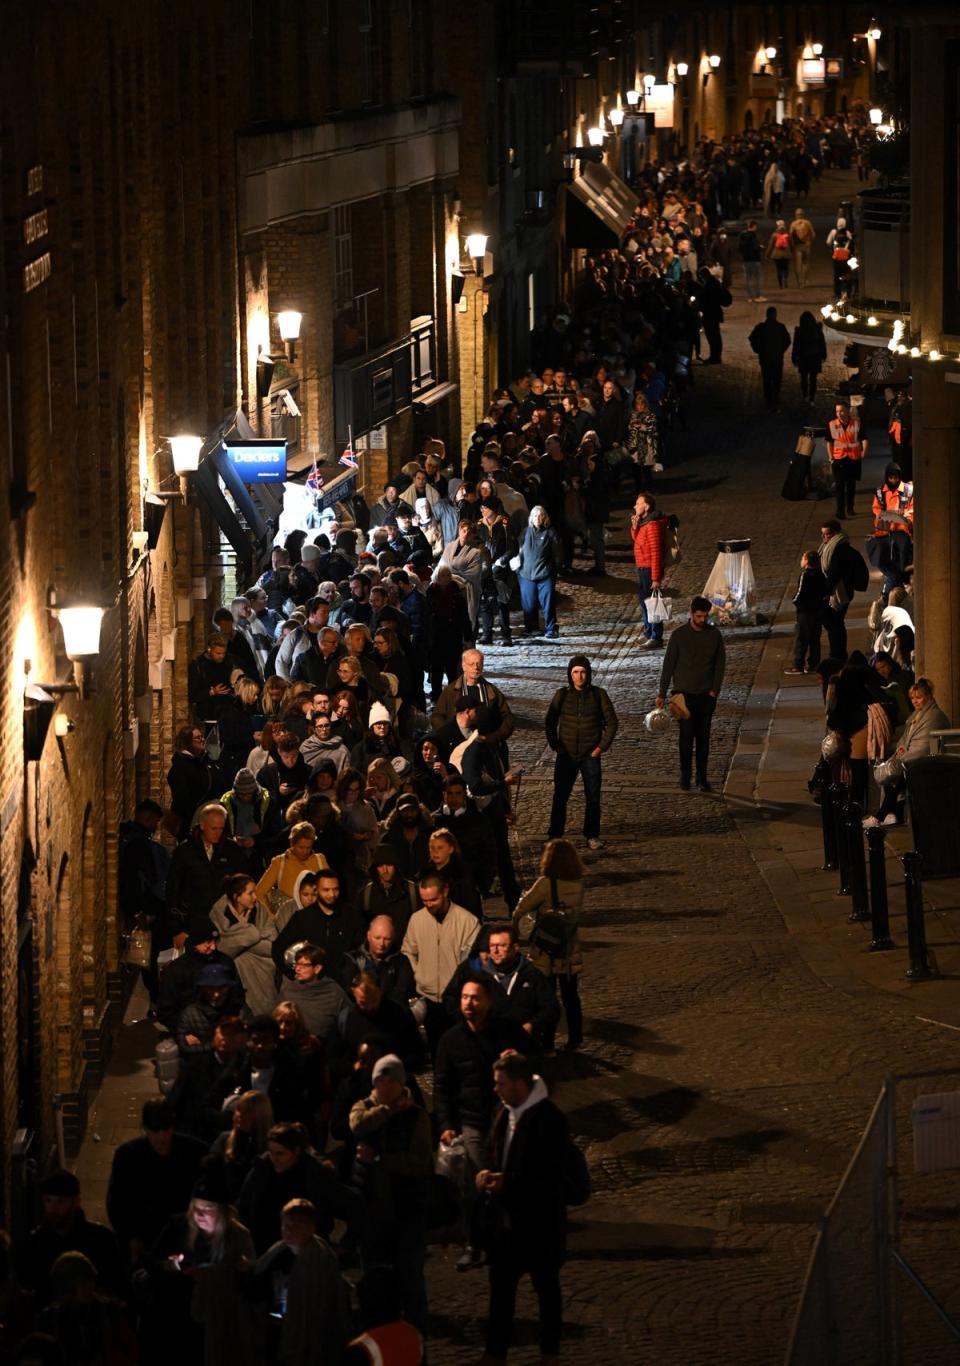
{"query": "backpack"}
{"type": "Point", "coordinates": [859, 571]}
{"type": "Point", "coordinates": [671, 542]}
{"type": "Point", "coordinates": [553, 930]}
{"type": "Point", "coordinates": [781, 241]}
{"type": "Point", "coordinates": [577, 1187]}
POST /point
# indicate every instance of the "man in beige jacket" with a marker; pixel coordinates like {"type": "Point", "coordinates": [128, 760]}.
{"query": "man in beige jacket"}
{"type": "Point", "coordinates": [438, 939]}
{"type": "Point", "coordinates": [802, 238]}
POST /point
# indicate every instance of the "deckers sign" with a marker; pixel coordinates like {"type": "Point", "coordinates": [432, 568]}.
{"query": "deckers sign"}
{"type": "Point", "coordinates": [259, 460]}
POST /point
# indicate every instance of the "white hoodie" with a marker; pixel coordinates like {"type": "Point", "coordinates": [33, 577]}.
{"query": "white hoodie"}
{"type": "Point", "coordinates": [537, 1094]}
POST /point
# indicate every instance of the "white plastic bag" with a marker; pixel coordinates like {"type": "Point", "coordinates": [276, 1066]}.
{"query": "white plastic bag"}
{"type": "Point", "coordinates": [732, 588]}
{"type": "Point", "coordinates": [658, 607]}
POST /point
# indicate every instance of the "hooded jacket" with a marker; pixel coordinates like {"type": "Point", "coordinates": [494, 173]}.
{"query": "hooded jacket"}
{"type": "Point", "coordinates": [580, 719]}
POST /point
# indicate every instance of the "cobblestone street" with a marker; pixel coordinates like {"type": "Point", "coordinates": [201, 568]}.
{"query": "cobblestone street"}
{"type": "Point", "coordinates": [723, 1083]}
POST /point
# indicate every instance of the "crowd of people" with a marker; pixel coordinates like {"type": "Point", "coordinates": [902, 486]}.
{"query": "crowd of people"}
{"type": "Point", "coordinates": [342, 1016]}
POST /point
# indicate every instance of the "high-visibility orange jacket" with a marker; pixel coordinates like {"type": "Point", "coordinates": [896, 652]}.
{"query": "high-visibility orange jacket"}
{"type": "Point", "coordinates": [845, 443]}
{"type": "Point", "coordinates": [899, 500]}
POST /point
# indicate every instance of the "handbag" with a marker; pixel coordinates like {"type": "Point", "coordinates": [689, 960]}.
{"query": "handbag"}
{"type": "Point", "coordinates": [805, 445]}
{"type": "Point", "coordinates": [658, 607]}
{"type": "Point", "coordinates": [886, 772]}
{"type": "Point", "coordinates": [139, 944]}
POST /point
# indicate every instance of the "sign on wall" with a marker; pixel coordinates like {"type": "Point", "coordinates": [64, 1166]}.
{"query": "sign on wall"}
{"type": "Point", "coordinates": [259, 460]}
{"type": "Point", "coordinates": [658, 101]}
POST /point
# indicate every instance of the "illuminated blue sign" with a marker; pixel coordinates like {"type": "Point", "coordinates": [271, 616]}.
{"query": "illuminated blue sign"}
{"type": "Point", "coordinates": [259, 461]}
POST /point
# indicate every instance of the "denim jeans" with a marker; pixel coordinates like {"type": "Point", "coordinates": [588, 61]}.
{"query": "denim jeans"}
{"type": "Point", "coordinates": [565, 770]}
{"type": "Point", "coordinates": [653, 630]}
{"type": "Point", "coordinates": [536, 594]}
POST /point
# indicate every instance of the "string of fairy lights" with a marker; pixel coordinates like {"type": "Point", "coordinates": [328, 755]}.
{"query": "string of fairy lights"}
{"type": "Point", "coordinates": [901, 341]}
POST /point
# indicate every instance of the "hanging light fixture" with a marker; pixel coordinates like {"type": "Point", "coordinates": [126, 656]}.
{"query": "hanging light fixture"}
{"type": "Point", "coordinates": [714, 61]}
{"type": "Point", "coordinates": [595, 137]}
{"type": "Point", "coordinates": [818, 49]}
{"type": "Point", "coordinates": [633, 98]}
{"type": "Point", "coordinates": [616, 117]}
{"type": "Point", "coordinates": [186, 453]}
{"type": "Point", "coordinates": [289, 324]}
{"type": "Point", "coordinates": [770, 53]}
{"type": "Point", "coordinates": [477, 250]}
{"type": "Point", "coordinates": [682, 68]}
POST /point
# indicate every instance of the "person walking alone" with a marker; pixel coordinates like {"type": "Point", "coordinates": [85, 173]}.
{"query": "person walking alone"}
{"type": "Point", "coordinates": [751, 254]}
{"type": "Point", "coordinates": [802, 238]}
{"type": "Point", "coordinates": [769, 340]}
{"type": "Point", "coordinates": [580, 725]}
{"type": "Point", "coordinates": [778, 251]}
{"type": "Point", "coordinates": [694, 663]}
{"type": "Point", "coordinates": [808, 354]}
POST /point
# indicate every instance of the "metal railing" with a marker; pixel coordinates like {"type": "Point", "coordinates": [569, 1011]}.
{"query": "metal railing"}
{"type": "Point", "coordinates": [879, 1279]}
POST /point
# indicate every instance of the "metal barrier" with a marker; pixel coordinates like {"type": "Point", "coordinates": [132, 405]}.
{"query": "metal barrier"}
{"type": "Point", "coordinates": [876, 1282]}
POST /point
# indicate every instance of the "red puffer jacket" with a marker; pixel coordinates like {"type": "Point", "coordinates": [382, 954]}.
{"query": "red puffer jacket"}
{"type": "Point", "coordinates": [648, 544]}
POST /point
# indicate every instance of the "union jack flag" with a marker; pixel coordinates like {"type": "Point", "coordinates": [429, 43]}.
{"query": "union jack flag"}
{"type": "Point", "coordinates": [315, 480]}
{"type": "Point", "coordinates": [348, 458]}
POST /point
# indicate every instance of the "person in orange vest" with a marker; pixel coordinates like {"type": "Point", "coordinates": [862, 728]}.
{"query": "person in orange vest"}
{"type": "Point", "coordinates": [389, 1344]}
{"type": "Point", "coordinates": [847, 450]}
{"type": "Point", "coordinates": [893, 518]}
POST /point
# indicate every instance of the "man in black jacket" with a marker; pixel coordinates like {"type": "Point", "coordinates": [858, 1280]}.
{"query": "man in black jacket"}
{"type": "Point", "coordinates": [490, 786]}
{"type": "Point", "coordinates": [462, 817]}
{"type": "Point", "coordinates": [381, 958]}
{"type": "Point", "coordinates": [333, 924]}
{"type": "Point", "coordinates": [463, 1077]}
{"type": "Point", "coordinates": [520, 991]}
{"type": "Point", "coordinates": [199, 865]}
{"type": "Point", "coordinates": [178, 985]}
{"type": "Point", "coordinates": [839, 562]}
{"type": "Point", "coordinates": [770, 341]}
{"type": "Point", "coordinates": [580, 726]}
{"type": "Point", "coordinates": [208, 678]}
{"type": "Point", "coordinates": [525, 1182]}
{"type": "Point", "coordinates": [64, 1227]}
{"type": "Point", "coordinates": [151, 1179]}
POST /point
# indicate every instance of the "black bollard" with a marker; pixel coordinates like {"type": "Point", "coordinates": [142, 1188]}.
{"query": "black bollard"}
{"type": "Point", "coordinates": [829, 830]}
{"type": "Point", "coordinates": [840, 794]}
{"type": "Point", "coordinates": [916, 930]}
{"type": "Point", "coordinates": [857, 862]}
{"type": "Point", "coordinates": [879, 909]}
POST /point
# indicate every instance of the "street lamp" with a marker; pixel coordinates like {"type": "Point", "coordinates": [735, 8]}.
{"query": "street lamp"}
{"type": "Point", "coordinates": [648, 83]}
{"type": "Point", "coordinates": [595, 137]}
{"type": "Point", "coordinates": [616, 117]}
{"type": "Point", "coordinates": [81, 632]}
{"type": "Point", "coordinates": [186, 453]}
{"type": "Point", "coordinates": [818, 49]}
{"type": "Point", "coordinates": [633, 98]}
{"type": "Point", "coordinates": [874, 32]}
{"type": "Point", "coordinates": [682, 68]}
{"type": "Point", "coordinates": [477, 250]}
{"type": "Point", "coordinates": [770, 53]}
{"type": "Point", "coordinates": [714, 61]}
{"type": "Point", "coordinates": [289, 324]}
{"type": "Point", "coordinates": [876, 117]}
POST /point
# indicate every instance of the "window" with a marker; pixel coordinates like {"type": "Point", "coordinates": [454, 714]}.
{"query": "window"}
{"type": "Point", "coordinates": [371, 56]}
{"type": "Point", "coordinates": [342, 254]}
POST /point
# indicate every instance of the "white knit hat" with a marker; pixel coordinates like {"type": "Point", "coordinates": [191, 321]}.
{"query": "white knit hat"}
{"type": "Point", "coordinates": [378, 712]}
